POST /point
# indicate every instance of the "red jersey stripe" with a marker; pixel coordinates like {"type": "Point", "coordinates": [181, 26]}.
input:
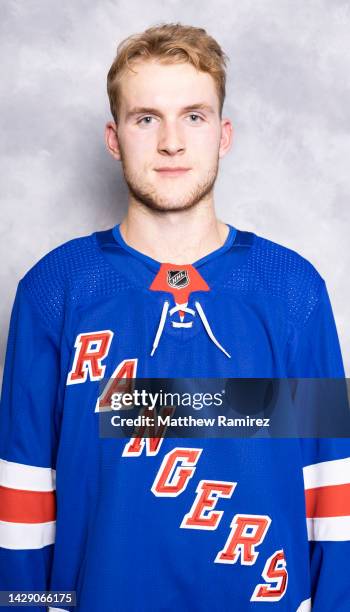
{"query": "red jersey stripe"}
{"type": "Point", "coordinates": [17, 506]}
{"type": "Point", "coordinates": [333, 500]}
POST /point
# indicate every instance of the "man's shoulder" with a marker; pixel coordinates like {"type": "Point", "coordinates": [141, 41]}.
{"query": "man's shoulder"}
{"type": "Point", "coordinates": [65, 258]}
{"type": "Point", "coordinates": [277, 257]}
{"type": "Point", "coordinates": [73, 271]}
{"type": "Point", "coordinates": [282, 272]}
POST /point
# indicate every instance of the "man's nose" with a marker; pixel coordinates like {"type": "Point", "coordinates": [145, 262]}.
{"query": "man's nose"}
{"type": "Point", "coordinates": [171, 139]}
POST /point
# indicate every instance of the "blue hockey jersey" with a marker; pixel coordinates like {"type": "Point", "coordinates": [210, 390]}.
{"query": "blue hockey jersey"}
{"type": "Point", "coordinates": [153, 524]}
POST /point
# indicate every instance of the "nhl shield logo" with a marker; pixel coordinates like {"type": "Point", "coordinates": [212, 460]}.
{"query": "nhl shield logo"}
{"type": "Point", "coordinates": [177, 279]}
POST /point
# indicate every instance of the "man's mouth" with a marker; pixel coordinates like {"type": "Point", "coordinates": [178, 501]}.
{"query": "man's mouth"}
{"type": "Point", "coordinates": [172, 171]}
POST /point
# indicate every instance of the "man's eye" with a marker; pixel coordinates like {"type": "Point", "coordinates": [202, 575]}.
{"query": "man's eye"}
{"type": "Point", "coordinates": [194, 118]}
{"type": "Point", "coordinates": [147, 120]}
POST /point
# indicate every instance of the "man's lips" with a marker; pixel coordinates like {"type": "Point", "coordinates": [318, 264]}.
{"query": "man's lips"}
{"type": "Point", "coordinates": [172, 171]}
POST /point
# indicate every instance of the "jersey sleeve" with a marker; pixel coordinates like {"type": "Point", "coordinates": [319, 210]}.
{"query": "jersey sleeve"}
{"type": "Point", "coordinates": [29, 425]}
{"type": "Point", "coordinates": [326, 469]}
{"type": "Point", "coordinates": [327, 501]}
{"type": "Point", "coordinates": [314, 349]}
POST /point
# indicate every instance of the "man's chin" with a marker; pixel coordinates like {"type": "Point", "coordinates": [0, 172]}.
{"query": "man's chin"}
{"type": "Point", "coordinates": [175, 198]}
{"type": "Point", "coordinates": [165, 206]}
{"type": "Point", "coordinates": [162, 203]}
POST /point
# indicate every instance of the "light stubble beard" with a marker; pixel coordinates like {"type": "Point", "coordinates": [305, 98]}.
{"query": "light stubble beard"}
{"type": "Point", "coordinates": [152, 200]}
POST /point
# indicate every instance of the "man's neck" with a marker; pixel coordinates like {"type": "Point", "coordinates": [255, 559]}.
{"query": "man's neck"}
{"type": "Point", "coordinates": [174, 237]}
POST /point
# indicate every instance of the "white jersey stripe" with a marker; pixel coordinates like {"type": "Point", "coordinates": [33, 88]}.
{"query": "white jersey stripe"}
{"type": "Point", "coordinates": [327, 473]}
{"type": "Point", "coordinates": [26, 477]}
{"type": "Point", "coordinates": [305, 606]}
{"type": "Point", "coordinates": [26, 536]}
{"type": "Point", "coordinates": [327, 529]}
{"type": "Point", "coordinates": [56, 610]}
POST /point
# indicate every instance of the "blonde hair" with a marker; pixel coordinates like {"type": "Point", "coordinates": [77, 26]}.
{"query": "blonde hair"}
{"type": "Point", "coordinates": [169, 43]}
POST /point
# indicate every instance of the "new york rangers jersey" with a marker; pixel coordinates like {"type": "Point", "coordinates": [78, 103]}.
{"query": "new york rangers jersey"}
{"type": "Point", "coordinates": [161, 524]}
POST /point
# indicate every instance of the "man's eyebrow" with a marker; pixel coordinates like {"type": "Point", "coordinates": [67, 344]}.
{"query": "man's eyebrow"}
{"type": "Point", "coordinates": [144, 110]}
{"type": "Point", "coordinates": [199, 106]}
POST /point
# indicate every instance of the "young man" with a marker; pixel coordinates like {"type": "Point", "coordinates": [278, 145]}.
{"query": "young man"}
{"type": "Point", "coordinates": [154, 523]}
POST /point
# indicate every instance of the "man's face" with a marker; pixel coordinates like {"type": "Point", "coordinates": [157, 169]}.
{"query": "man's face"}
{"type": "Point", "coordinates": [169, 134]}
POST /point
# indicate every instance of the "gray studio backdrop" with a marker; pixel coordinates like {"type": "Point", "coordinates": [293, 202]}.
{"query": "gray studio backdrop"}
{"type": "Point", "coordinates": [287, 176]}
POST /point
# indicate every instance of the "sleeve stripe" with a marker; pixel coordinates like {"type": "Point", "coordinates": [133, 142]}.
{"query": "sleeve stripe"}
{"type": "Point", "coordinates": [26, 477]}
{"type": "Point", "coordinates": [328, 501]}
{"type": "Point", "coordinates": [305, 606]}
{"type": "Point", "coordinates": [328, 529]}
{"type": "Point", "coordinates": [17, 536]}
{"type": "Point", "coordinates": [327, 473]}
{"type": "Point", "coordinates": [27, 506]}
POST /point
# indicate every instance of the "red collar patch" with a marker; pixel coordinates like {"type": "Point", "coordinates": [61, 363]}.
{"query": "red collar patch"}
{"type": "Point", "coordinates": [178, 280]}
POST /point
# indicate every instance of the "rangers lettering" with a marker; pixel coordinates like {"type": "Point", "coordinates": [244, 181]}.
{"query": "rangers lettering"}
{"type": "Point", "coordinates": [275, 571]}
{"type": "Point", "coordinates": [241, 542]}
{"type": "Point", "coordinates": [87, 359]}
{"type": "Point", "coordinates": [120, 382]}
{"type": "Point", "coordinates": [171, 479]}
{"type": "Point", "coordinates": [155, 436]}
{"type": "Point", "coordinates": [208, 493]}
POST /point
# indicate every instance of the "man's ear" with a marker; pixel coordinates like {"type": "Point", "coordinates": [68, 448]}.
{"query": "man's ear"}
{"type": "Point", "coordinates": [111, 139]}
{"type": "Point", "coordinates": [226, 137]}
